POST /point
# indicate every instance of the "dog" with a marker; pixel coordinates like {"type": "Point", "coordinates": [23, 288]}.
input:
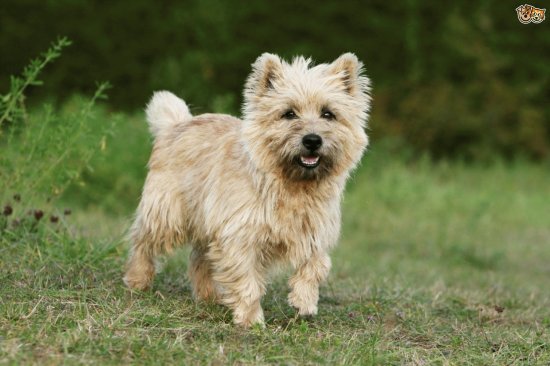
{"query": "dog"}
{"type": "Point", "coordinates": [253, 193]}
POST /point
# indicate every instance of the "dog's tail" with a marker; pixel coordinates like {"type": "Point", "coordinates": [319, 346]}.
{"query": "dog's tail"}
{"type": "Point", "coordinates": [165, 110]}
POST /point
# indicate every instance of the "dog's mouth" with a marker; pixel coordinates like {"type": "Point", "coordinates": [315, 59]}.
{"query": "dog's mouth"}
{"type": "Point", "coordinates": [309, 161]}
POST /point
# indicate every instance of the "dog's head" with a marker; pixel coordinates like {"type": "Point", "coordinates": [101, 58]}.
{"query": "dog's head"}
{"type": "Point", "coordinates": [538, 15]}
{"type": "Point", "coordinates": [306, 122]}
{"type": "Point", "coordinates": [525, 13]}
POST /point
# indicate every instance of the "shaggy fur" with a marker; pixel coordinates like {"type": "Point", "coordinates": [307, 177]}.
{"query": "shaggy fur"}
{"type": "Point", "coordinates": [235, 189]}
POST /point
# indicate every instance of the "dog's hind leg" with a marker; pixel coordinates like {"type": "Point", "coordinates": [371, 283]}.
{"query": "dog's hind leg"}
{"type": "Point", "coordinates": [200, 275]}
{"type": "Point", "coordinates": [157, 229]}
{"type": "Point", "coordinates": [140, 268]}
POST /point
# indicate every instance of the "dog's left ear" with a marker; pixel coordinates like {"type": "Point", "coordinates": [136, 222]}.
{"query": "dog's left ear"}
{"type": "Point", "coordinates": [349, 70]}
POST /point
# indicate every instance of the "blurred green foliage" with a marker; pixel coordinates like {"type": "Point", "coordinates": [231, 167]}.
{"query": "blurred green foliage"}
{"type": "Point", "coordinates": [47, 150]}
{"type": "Point", "coordinates": [461, 79]}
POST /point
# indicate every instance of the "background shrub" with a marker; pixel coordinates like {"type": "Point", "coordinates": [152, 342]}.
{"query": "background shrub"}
{"type": "Point", "coordinates": [46, 150]}
{"type": "Point", "coordinates": [464, 79]}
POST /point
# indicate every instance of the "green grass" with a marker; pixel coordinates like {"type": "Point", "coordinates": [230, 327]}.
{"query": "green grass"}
{"type": "Point", "coordinates": [439, 263]}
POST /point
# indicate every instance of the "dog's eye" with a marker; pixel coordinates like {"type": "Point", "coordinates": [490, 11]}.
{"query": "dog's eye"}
{"type": "Point", "coordinates": [289, 114]}
{"type": "Point", "coordinates": [326, 114]}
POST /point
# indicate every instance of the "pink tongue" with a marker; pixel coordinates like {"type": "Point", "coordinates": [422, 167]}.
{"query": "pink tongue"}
{"type": "Point", "coordinates": [310, 159]}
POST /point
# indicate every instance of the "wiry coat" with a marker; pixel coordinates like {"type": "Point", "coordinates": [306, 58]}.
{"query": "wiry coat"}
{"type": "Point", "coordinates": [233, 189]}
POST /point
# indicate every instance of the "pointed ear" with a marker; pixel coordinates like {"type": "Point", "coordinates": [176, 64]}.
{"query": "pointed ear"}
{"type": "Point", "coordinates": [265, 70]}
{"type": "Point", "coordinates": [349, 69]}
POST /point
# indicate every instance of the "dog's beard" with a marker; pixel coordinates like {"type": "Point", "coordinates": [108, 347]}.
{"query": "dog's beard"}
{"type": "Point", "coordinates": [301, 166]}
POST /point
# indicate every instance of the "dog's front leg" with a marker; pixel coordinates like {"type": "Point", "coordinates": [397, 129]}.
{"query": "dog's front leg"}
{"type": "Point", "coordinates": [304, 284]}
{"type": "Point", "coordinates": [242, 280]}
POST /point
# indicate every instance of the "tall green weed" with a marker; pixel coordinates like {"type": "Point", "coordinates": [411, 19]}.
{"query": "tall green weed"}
{"type": "Point", "coordinates": [44, 151]}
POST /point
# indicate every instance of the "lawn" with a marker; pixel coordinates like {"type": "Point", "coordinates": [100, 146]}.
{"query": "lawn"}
{"type": "Point", "coordinates": [438, 263]}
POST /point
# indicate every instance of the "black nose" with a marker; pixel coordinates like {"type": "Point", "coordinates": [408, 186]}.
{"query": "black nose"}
{"type": "Point", "coordinates": [312, 141]}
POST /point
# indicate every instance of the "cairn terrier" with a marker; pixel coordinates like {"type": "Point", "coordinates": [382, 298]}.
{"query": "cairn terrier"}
{"type": "Point", "coordinates": [248, 194]}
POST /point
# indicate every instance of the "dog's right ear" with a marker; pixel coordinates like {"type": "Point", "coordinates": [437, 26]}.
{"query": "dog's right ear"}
{"type": "Point", "coordinates": [265, 71]}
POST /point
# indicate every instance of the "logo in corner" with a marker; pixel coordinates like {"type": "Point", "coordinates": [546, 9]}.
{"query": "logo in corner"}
{"type": "Point", "coordinates": [529, 14]}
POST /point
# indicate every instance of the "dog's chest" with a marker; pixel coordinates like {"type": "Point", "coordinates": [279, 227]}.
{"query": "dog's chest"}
{"type": "Point", "coordinates": [301, 223]}
{"type": "Point", "coordinates": [297, 216]}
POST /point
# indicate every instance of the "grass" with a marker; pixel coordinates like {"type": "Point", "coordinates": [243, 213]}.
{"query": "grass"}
{"type": "Point", "coordinates": [439, 263]}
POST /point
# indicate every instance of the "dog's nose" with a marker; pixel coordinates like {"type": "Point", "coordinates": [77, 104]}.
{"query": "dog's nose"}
{"type": "Point", "coordinates": [312, 141]}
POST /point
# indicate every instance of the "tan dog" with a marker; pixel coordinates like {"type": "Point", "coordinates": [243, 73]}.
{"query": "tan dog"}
{"type": "Point", "coordinates": [247, 194]}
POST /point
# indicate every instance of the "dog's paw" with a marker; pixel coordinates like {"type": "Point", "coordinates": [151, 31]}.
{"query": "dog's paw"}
{"type": "Point", "coordinates": [249, 320]}
{"type": "Point", "coordinates": [306, 306]}
{"type": "Point", "coordinates": [206, 293]}
{"type": "Point", "coordinates": [137, 283]}
{"type": "Point", "coordinates": [249, 317]}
